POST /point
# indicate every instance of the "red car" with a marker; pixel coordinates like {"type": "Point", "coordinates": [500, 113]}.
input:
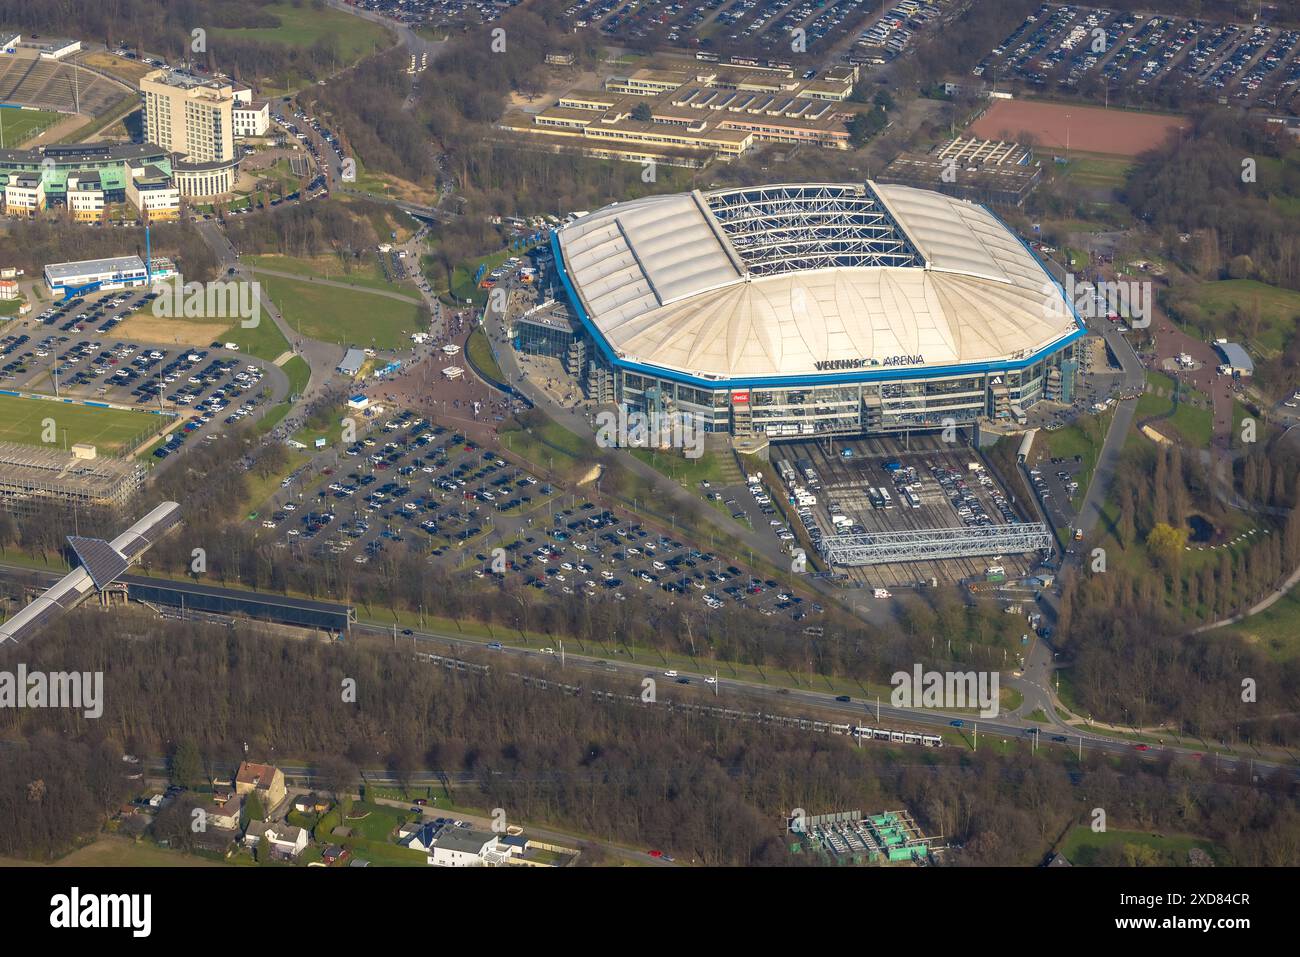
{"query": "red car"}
{"type": "Point", "coordinates": [656, 853]}
{"type": "Point", "coordinates": [1142, 747]}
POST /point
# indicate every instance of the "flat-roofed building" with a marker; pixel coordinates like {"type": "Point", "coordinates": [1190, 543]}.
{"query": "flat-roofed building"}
{"type": "Point", "coordinates": [151, 190]}
{"type": "Point", "coordinates": [34, 476]}
{"type": "Point", "coordinates": [24, 194]}
{"type": "Point", "coordinates": [193, 118]}
{"type": "Point", "coordinates": [119, 272]}
{"type": "Point", "coordinates": [85, 196]}
{"type": "Point", "coordinates": [982, 171]}
{"type": "Point", "coordinates": [251, 119]}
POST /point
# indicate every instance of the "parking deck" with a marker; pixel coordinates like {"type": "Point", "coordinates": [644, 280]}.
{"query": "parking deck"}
{"type": "Point", "coordinates": [932, 487]}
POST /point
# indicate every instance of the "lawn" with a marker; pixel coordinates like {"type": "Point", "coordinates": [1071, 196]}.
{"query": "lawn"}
{"type": "Point", "coordinates": [706, 468]}
{"type": "Point", "coordinates": [111, 431]}
{"type": "Point", "coordinates": [1275, 631]}
{"type": "Point", "coordinates": [1276, 309]}
{"type": "Point", "coordinates": [302, 26]}
{"type": "Point", "coordinates": [379, 821]}
{"type": "Point", "coordinates": [18, 126]}
{"type": "Point", "coordinates": [367, 275]}
{"type": "Point", "coordinates": [480, 354]}
{"type": "Point", "coordinates": [121, 852]}
{"type": "Point", "coordinates": [299, 373]}
{"type": "Point", "coordinates": [1098, 171]}
{"type": "Point", "coordinates": [1192, 420]}
{"type": "Point", "coordinates": [263, 340]}
{"type": "Point", "coordinates": [1082, 845]}
{"type": "Point", "coordinates": [343, 316]}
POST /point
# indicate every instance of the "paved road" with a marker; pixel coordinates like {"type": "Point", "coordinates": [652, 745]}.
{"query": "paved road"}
{"type": "Point", "coordinates": [825, 704]}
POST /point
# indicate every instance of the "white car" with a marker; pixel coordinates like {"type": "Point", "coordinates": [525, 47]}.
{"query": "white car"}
{"type": "Point", "coordinates": [710, 680]}
{"type": "Point", "coordinates": [670, 673]}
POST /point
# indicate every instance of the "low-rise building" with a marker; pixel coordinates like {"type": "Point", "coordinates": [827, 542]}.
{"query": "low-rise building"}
{"type": "Point", "coordinates": [150, 190]}
{"type": "Point", "coordinates": [251, 118]}
{"type": "Point", "coordinates": [119, 272]}
{"type": "Point", "coordinates": [24, 194]}
{"type": "Point", "coordinates": [85, 196]}
{"type": "Point", "coordinates": [285, 840]}
{"type": "Point", "coordinates": [264, 780]}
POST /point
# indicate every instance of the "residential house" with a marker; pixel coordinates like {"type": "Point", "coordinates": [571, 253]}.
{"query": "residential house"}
{"type": "Point", "coordinates": [311, 804]}
{"type": "Point", "coordinates": [464, 847]}
{"type": "Point", "coordinates": [222, 816]}
{"type": "Point", "coordinates": [264, 780]}
{"type": "Point", "coordinates": [285, 839]}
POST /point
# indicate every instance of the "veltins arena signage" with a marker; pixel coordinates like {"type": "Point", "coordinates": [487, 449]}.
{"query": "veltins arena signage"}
{"type": "Point", "coordinates": [834, 365]}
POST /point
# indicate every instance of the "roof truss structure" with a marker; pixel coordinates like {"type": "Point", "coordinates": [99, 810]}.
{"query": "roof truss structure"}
{"type": "Point", "coordinates": [778, 229]}
{"type": "Point", "coordinates": [931, 544]}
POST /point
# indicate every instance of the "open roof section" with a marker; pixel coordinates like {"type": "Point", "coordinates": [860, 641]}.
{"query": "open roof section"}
{"type": "Point", "coordinates": [801, 226]}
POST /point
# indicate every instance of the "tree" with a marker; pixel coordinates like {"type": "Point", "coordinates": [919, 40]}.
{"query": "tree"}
{"type": "Point", "coordinates": [186, 766]}
{"type": "Point", "coordinates": [1166, 544]}
{"type": "Point", "coordinates": [641, 113]}
{"type": "Point", "coordinates": [253, 808]}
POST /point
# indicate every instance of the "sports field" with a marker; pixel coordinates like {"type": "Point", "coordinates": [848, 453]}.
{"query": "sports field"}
{"type": "Point", "coordinates": [1079, 129]}
{"type": "Point", "coordinates": [18, 126]}
{"type": "Point", "coordinates": [109, 430]}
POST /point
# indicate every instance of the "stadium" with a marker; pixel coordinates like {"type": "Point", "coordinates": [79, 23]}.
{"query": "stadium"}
{"type": "Point", "coordinates": [808, 310]}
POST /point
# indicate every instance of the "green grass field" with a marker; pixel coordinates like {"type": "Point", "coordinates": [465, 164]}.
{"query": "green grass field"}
{"type": "Point", "coordinates": [342, 316]}
{"type": "Point", "coordinates": [1082, 847]}
{"type": "Point", "coordinates": [365, 276]}
{"type": "Point", "coordinates": [18, 126]}
{"type": "Point", "coordinates": [1277, 310]}
{"type": "Point", "coordinates": [109, 430]}
{"type": "Point", "coordinates": [1192, 421]}
{"type": "Point", "coordinates": [299, 373]}
{"type": "Point", "coordinates": [1098, 171]}
{"type": "Point", "coordinates": [1276, 631]}
{"type": "Point", "coordinates": [264, 340]}
{"type": "Point", "coordinates": [480, 353]}
{"type": "Point", "coordinates": [302, 26]}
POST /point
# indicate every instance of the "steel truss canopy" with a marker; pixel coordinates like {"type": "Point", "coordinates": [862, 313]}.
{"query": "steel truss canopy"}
{"type": "Point", "coordinates": [932, 544]}
{"type": "Point", "coordinates": [778, 229]}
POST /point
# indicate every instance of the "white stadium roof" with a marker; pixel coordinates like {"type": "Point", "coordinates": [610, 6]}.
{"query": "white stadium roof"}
{"type": "Point", "coordinates": [809, 280]}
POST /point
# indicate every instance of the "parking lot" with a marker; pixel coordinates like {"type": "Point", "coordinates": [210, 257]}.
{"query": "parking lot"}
{"type": "Point", "coordinates": [753, 26]}
{"type": "Point", "coordinates": [73, 352]}
{"type": "Point", "coordinates": [889, 485]}
{"type": "Point", "coordinates": [412, 483]}
{"type": "Point", "coordinates": [1056, 483]}
{"type": "Point", "coordinates": [1056, 47]}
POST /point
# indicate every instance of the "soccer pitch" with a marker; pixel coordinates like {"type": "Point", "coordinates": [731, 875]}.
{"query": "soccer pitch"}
{"type": "Point", "coordinates": [18, 126]}
{"type": "Point", "coordinates": [111, 431]}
